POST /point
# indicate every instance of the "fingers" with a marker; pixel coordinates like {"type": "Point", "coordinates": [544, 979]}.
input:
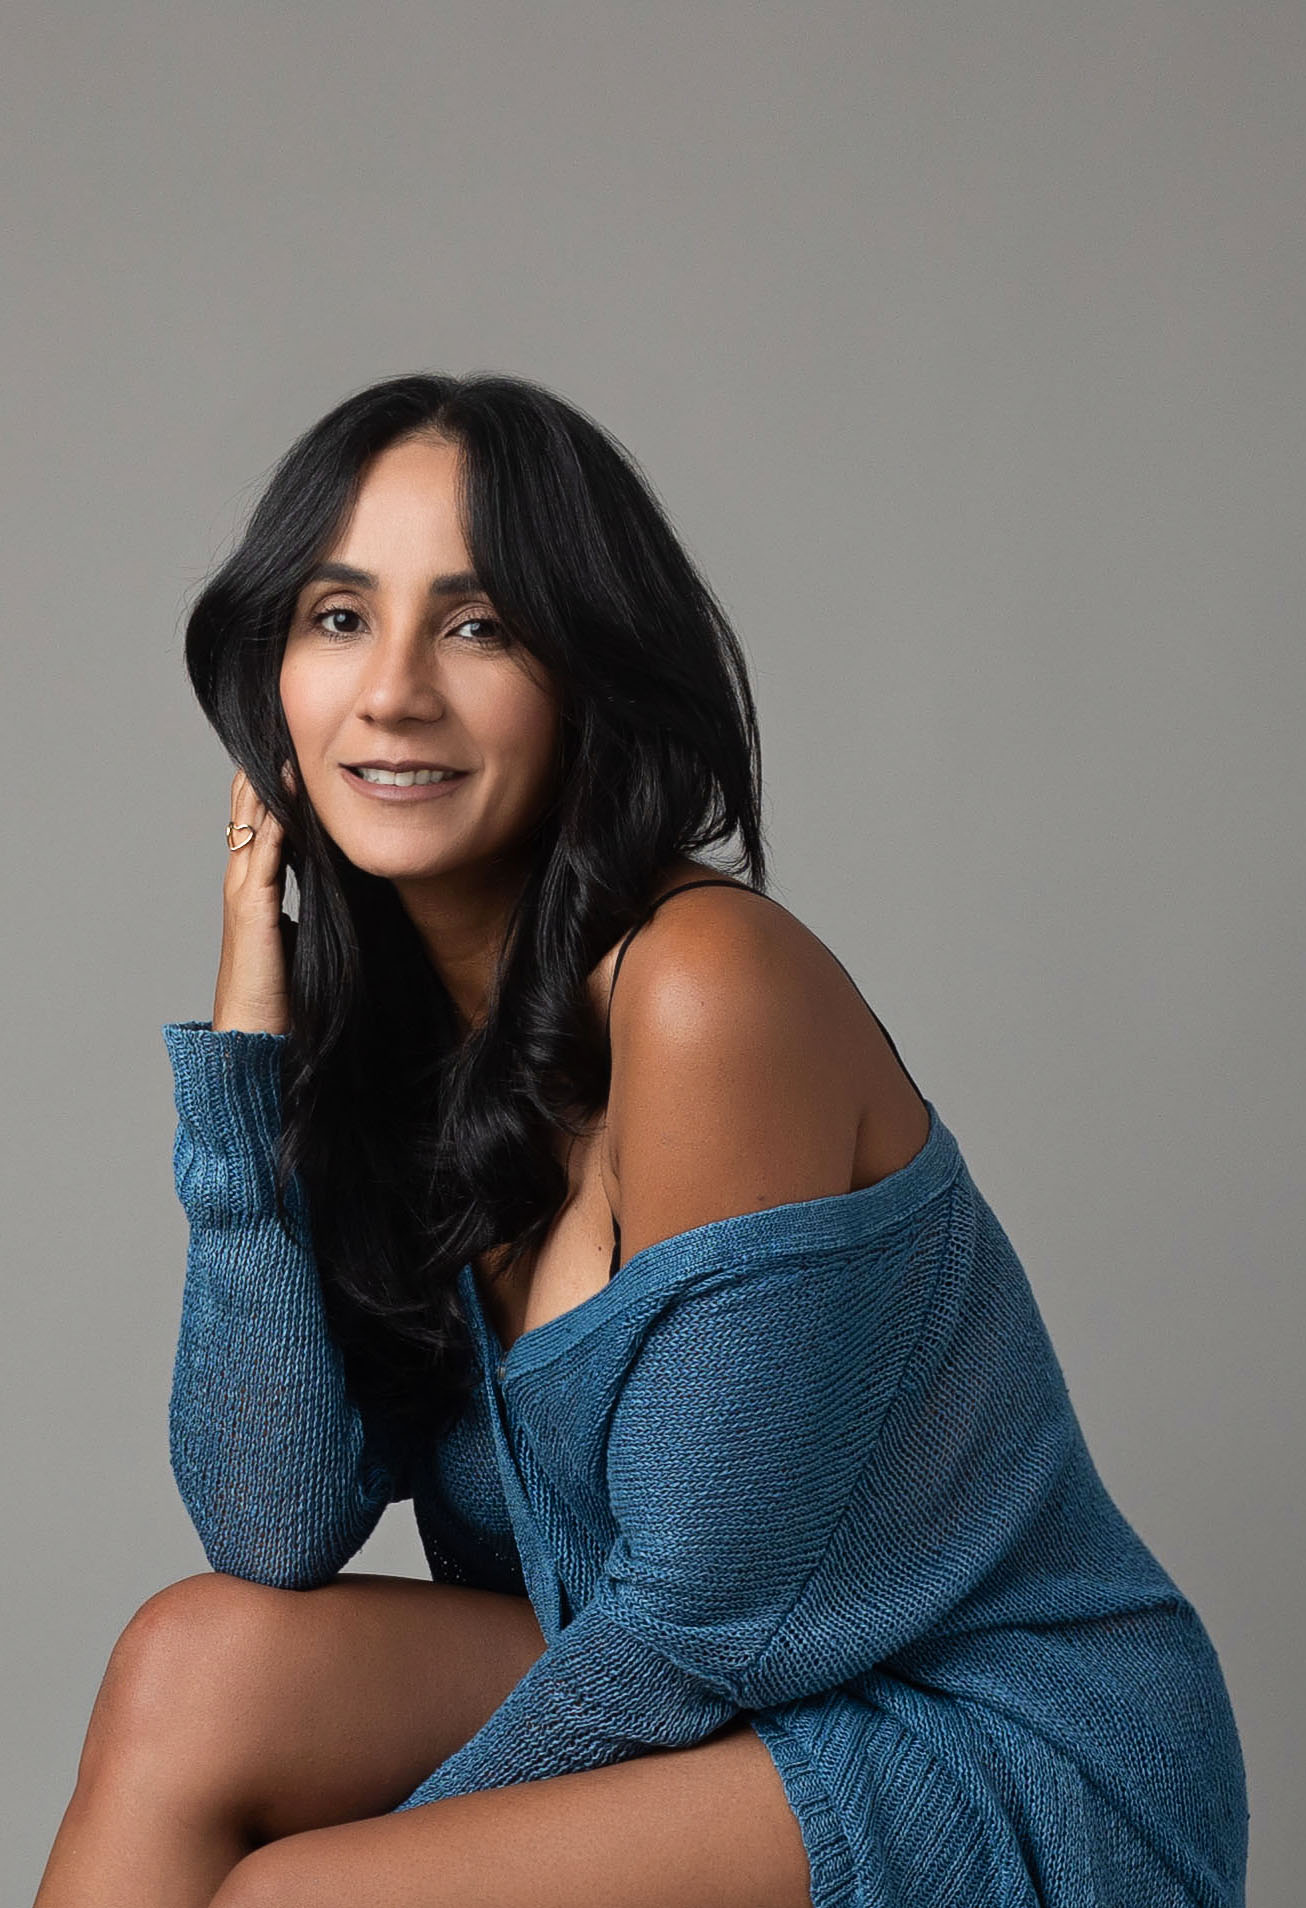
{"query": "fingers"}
{"type": "Point", "coordinates": [258, 860]}
{"type": "Point", "coordinates": [265, 849]}
{"type": "Point", "coordinates": [251, 992]}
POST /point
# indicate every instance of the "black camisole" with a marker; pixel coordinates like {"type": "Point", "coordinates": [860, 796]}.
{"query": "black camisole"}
{"type": "Point", "coordinates": [621, 955]}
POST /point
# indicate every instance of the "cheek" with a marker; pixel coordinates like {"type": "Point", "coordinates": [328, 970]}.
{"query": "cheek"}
{"type": "Point", "coordinates": [519, 719]}
{"type": "Point", "coordinates": [306, 704]}
{"type": "Point", "coordinates": [535, 737]}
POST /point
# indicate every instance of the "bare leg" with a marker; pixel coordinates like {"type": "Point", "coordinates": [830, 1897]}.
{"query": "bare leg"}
{"type": "Point", "coordinates": [708, 1826]}
{"type": "Point", "coordinates": [232, 1714]}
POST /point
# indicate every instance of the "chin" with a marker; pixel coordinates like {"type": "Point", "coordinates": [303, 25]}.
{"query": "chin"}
{"type": "Point", "coordinates": [395, 867]}
{"type": "Point", "coordinates": [390, 860]}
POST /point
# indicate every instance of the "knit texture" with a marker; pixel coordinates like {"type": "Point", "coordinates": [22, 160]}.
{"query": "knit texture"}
{"type": "Point", "coordinates": [817, 1464]}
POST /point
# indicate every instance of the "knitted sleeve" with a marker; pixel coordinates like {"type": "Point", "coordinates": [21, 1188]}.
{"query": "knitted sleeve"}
{"type": "Point", "coordinates": [740, 1440]}
{"type": "Point", "coordinates": [280, 1475]}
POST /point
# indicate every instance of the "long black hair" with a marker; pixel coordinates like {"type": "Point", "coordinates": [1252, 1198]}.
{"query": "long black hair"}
{"type": "Point", "coordinates": [411, 1145]}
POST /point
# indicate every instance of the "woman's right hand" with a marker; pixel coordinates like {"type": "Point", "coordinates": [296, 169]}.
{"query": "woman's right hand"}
{"type": "Point", "coordinates": [252, 994]}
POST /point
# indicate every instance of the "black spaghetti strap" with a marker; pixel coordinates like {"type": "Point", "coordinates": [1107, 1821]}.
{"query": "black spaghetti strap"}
{"type": "Point", "coordinates": [632, 932]}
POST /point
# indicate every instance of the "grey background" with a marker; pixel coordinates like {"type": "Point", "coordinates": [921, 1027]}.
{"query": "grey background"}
{"type": "Point", "coordinates": [964, 344]}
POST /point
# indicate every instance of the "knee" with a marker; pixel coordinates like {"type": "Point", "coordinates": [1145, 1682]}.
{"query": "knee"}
{"type": "Point", "coordinates": [177, 1669]}
{"type": "Point", "coordinates": [263, 1879]}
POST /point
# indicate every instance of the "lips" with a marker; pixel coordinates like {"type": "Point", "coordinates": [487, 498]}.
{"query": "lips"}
{"type": "Point", "coordinates": [402, 768]}
{"type": "Point", "coordinates": [405, 792]}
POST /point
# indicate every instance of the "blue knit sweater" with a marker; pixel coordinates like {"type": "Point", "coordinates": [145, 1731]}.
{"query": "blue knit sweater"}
{"type": "Point", "coordinates": [816, 1463]}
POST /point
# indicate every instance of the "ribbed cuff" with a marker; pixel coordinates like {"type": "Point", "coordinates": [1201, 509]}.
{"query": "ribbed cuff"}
{"type": "Point", "coordinates": [227, 1088]}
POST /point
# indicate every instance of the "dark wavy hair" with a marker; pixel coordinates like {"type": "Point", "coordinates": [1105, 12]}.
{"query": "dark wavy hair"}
{"type": "Point", "coordinates": [416, 1144]}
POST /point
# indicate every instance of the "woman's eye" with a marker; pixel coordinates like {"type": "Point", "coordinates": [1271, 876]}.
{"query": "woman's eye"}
{"type": "Point", "coordinates": [320, 621]}
{"type": "Point", "coordinates": [490, 628]}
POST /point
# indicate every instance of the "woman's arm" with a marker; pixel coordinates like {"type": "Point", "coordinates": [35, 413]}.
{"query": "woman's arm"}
{"type": "Point", "coordinates": [281, 1476]}
{"type": "Point", "coordinates": [828, 1462]}
{"type": "Point", "coordinates": [742, 1439]}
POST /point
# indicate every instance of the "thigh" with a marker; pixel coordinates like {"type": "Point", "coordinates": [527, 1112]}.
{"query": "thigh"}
{"type": "Point", "coordinates": [703, 1827]}
{"type": "Point", "coordinates": [291, 1709]}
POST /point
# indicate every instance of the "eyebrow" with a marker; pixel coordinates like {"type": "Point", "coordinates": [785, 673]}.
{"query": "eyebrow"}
{"type": "Point", "coordinates": [453, 583]}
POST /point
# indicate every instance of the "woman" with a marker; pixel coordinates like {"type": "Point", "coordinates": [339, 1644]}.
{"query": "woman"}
{"type": "Point", "coordinates": [768, 1564]}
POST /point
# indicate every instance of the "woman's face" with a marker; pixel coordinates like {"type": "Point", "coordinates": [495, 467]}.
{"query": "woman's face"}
{"type": "Point", "coordinates": [394, 657]}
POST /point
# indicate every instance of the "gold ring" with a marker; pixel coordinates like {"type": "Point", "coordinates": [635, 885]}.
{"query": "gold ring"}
{"type": "Point", "coordinates": [233, 829]}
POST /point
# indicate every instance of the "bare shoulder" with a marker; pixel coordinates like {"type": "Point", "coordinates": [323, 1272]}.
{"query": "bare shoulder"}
{"type": "Point", "coordinates": [747, 1069]}
{"type": "Point", "coordinates": [726, 960]}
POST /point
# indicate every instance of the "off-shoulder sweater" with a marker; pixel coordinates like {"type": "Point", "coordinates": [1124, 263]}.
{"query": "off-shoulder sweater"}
{"type": "Point", "coordinates": [816, 1463]}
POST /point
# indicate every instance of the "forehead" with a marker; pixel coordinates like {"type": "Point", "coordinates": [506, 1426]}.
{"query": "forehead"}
{"type": "Point", "coordinates": [407, 515]}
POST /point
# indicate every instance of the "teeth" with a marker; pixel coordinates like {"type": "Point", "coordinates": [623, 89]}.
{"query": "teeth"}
{"type": "Point", "coordinates": [405, 778]}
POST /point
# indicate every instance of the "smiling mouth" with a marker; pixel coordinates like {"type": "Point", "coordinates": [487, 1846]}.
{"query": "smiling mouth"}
{"type": "Point", "coordinates": [404, 778]}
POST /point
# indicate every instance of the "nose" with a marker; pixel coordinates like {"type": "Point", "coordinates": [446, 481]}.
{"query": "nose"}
{"type": "Point", "coordinates": [400, 681]}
